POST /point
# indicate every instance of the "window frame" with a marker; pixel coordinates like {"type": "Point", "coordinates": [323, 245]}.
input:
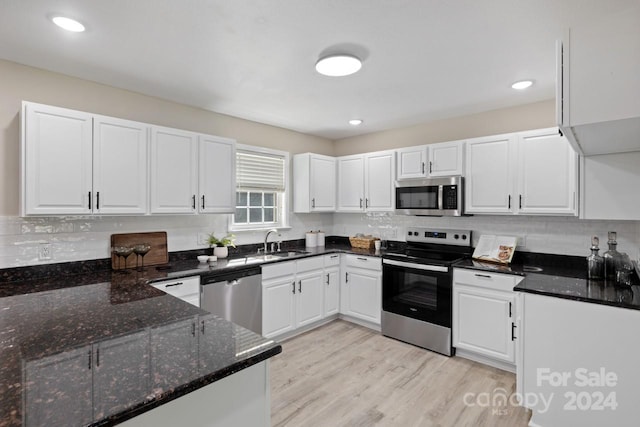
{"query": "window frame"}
{"type": "Point", "coordinates": [284, 199]}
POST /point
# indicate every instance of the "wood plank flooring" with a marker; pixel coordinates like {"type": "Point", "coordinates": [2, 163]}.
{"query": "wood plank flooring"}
{"type": "Point", "coordinates": [343, 374]}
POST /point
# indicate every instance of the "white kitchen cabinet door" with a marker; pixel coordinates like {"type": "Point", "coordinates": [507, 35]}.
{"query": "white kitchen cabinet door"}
{"type": "Point", "coordinates": [412, 162]}
{"type": "Point", "coordinates": [489, 176]}
{"type": "Point", "coordinates": [217, 175]}
{"type": "Point", "coordinates": [314, 183]}
{"type": "Point", "coordinates": [49, 398]}
{"type": "Point", "coordinates": [121, 373]}
{"type": "Point", "coordinates": [119, 166]}
{"type": "Point", "coordinates": [379, 181]}
{"type": "Point", "coordinates": [278, 309]}
{"type": "Point", "coordinates": [445, 159]}
{"type": "Point", "coordinates": [483, 321]}
{"type": "Point", "coordinates": [309, 296]}
{"type": "Point", "coordinates": [170, 368]}
{"type": "Point", "coordinates": [174, 171]}
{"type": "Point", "coordinates": [331, 291]}
{"type": "Point", "coordinates": [351, 184]}
{"type": "Point", "coordinates": [547, 169]}
{"type": "Point", "coordinates": [361, 294]}
{"type": "Point", "coordinates": [56, 153]}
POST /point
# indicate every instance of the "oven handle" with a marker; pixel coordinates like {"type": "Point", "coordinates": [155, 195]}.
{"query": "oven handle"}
{"type": "Point", "coordinates": [416, 266]}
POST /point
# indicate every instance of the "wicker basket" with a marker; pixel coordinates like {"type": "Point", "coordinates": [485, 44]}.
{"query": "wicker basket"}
{"type": "Point", "coordinates": [366, 242]}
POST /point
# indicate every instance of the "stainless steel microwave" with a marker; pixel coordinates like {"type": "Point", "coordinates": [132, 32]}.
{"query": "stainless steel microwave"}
{"type": "Point", "coordinates": [430, 197]}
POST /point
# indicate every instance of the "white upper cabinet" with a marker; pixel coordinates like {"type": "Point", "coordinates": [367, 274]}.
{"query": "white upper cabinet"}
{"type": "Point", "coordinates": [548, 173]}
{"type": "Point", "coordinates": [489, 183]}
{"type": "Point", "coordinates": [412, 162]}
{"type": "Point", "coordinates": [446, 158]}
{"type": "Point", "coordinates": [314, 183]}
{"type": "Point", "coordinates": [174, 172]}
{"type": "Point", "coordinates": [119, 166]}
{"type": "Point", "coordinates": [432, 160]}
{"type": "Point", "coordinates": [56, 153]}
{"type": "Point", "coordinates": [365, 182]}
{"type": "Point", "coordinates": [598, 82]}
{"type": "Point", "coordinates": [217, 175]}
{"type": "Point", "coordinates": [380, 194]}
{"type": "Point", "coordinates": [351, 183]}
{"type": "Point", "coordinates": [527, 173]}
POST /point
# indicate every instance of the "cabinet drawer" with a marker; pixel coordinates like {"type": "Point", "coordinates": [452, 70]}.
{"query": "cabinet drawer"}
{"type": "Point", "coordinates": [279, 269]}
{"type": "Point", "coordinates": [180, 287]}
{"type": "Point", "coordinates": [331, 260]}
{"type": "Point", "coordinates": [359, 261]}
{"type": "Point", "coordinates": [308, 264]}
{"type": "Point", "coordinates": [483, 279]}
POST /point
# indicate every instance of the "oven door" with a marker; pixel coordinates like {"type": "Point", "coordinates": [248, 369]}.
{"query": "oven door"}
{"type": "Point", "coordinates": [418, 291]}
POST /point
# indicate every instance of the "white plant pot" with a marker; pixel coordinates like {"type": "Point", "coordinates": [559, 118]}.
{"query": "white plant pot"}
{"type": "Point", "coordinates": [221, 251]}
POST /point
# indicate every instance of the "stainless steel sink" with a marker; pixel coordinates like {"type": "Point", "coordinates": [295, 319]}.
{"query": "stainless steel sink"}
{"type": "Point", "coordinates": [272, 256]}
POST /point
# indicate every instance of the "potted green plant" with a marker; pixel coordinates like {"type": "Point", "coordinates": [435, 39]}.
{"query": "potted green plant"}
{"type": "Point", "coordinates": [221, 246]}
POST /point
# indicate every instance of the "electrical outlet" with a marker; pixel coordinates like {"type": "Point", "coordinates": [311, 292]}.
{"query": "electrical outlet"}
{"type": "Point", "coordinates": [521, 242]}
{"type": "Point", "coordinates": [44, 251]}
{"type": "Point", "coordinates": [202, 239]}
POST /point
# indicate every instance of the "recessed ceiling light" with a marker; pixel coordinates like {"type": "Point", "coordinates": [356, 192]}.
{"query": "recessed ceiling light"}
{"type": "Point", "coordinates": [338, 65]}
{"type": "Point", "coordinates": [68, 24]}
{"type": "Point", "coordinates": [523, 84]}
{"type": "Point", "coordinates": [355, 122]}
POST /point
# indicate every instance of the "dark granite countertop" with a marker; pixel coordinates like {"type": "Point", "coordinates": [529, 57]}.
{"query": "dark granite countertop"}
{"type": "Point", "coordinates": [562, 276]}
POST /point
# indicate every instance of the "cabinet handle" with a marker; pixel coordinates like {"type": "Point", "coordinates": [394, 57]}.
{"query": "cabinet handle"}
{"type": "Point", "coordinates": [98, 357]}
{"type": "Point", "coordinates": [334, 256]}
{"type": "Point", "coordinates": [89, 200]}
{"type": "Point", "coordinates": [366, 202]}
{"type": "Point", "coordinates": [423, 168]}
{"type": "Point", "coordinates": [193, 328]}
{"type": "Point", "coordinates": [327, 279]}
{"type": "Point", "coordinates": [173, 284]}
{"type": "Point", "coordinates": [520, 202]}
{"type": "Point", "coordinates": [203, 202]}
{"type": "Point", "coordinates": [509, 207]}
{"type": "Point", "coordinates": [300, 286]}
{"type": "Point", "coordinates": [509, 308]}
{"type": "Point", "coordinates": [360, 202]}
{"type": "Point", "coordinates": [486, 276]}
{"type": "Point", "coordinates": [98, 200]}
{"type": "Point", "coordinates": [202, 327]}
{"type": "Point", "coordinates": [294, 287]}
{"type": "Point", "coordinates": [513, 331]}
{"type": "Point", "coordinates": [430, 167]}
{"type": "Point", "coordinates": [346, 277]}
{"type": "Point", "coordinates": [313, 202]}
{"type": "Point", "coordinates": [89, 353]}
{"type": "Point", "coordinates": [362, 259]}
{"type": "Point", "coordinates": [193, 202]}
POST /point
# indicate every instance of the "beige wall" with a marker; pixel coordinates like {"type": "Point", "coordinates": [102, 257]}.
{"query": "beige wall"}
{"type": "Point", "coordinates": [531, 116]}
{"type": "Point", "coordinates": [18, 83]}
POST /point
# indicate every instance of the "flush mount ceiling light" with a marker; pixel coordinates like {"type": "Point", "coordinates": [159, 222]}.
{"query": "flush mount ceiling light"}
{"type": "Point", "coordinates": [338, 65]}
{"type": "Point", "coordinates": [68, 24]}
{"type": "Point", "coordinates": [355, 122]}
{"type": "Point", "coordinates": [522, 84]}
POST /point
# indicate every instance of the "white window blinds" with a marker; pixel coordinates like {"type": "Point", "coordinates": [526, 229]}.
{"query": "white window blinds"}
{"type": "Point", "coordinates": [258, 171]}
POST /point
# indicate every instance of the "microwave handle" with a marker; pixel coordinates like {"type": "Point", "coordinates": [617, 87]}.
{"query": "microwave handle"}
{"type": "Point", "coordinates": [440, 196]}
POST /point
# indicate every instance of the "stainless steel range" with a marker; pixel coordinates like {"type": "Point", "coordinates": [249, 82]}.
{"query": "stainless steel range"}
{"type": "Point", "coordinates": [417, 287]}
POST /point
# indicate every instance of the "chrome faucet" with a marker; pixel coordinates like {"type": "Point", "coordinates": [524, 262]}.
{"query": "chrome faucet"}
{"type": "Point", "coordinates": [266, 238]}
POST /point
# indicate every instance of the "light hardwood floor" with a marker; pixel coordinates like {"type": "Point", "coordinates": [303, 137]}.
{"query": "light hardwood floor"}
{"type": "Point", "coordinates": [343, 374]}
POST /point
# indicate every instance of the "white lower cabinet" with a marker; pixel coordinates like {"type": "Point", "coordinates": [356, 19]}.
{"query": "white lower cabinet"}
{"type": "Point", "coordinates": [361, 290]}
{"type": "Point", "coordinates": [309, 304]}
{"type": "Point", "coordinates": [331, 285]}
{"type": "Point", "coordinates": [187, 289]}
{"type": "Point", "coordinates": [484, 317]}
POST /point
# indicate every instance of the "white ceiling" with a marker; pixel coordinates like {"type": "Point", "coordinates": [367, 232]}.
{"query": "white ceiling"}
{"type": "Point", "coordinates": [423, 60]}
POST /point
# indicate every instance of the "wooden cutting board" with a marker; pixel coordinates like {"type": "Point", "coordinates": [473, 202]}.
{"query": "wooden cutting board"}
{"type": "Point", "coordinates": [158, 254]}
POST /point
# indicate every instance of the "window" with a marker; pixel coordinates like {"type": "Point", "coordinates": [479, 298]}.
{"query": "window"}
{"type": "Point", "coordinates": [261, 180]}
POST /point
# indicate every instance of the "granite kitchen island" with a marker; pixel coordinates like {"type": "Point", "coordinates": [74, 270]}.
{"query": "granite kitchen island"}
{"type": "Point", "coordinates": [115, 350]}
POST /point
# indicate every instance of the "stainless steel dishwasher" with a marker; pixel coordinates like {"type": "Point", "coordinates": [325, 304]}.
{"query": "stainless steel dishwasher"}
{"type": "Point", "coordinates": [235, 296]}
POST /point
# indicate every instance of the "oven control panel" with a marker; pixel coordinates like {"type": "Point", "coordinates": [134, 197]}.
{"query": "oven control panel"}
{"type": "Point", "coordinates": [445, 237]}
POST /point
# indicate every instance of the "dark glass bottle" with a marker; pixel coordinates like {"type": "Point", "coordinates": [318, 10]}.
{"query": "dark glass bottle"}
{"type": "Point", "coordinates": [611, 257]}
{"type": "Point", "coordinates": [595, 263]}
